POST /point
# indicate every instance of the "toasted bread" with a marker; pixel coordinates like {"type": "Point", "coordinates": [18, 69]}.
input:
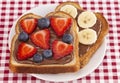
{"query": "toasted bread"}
{"type": "Point", "coordinates": [72, 66]}
{"type": "Point", "coordinates": [84, 59]}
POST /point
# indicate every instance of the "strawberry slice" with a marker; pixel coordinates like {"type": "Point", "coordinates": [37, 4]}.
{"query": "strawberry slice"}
{"type": "Point", "coordinates": [28, 25]}
{"type": "Point", "coordinates": [41, 38]}
{"type": "Point", "coordinates": [61, 49]}
{"type": "Point", "coordinates": [25, 51]}
{"type": "Point", "coordinates": [60, 25]}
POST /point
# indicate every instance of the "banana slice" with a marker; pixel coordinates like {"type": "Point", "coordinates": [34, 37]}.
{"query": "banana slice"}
{"type": "Point", "coordinates": [70, 10]}
{"type": "Point", "coordinates": [86, 19]}
{"type": "Point", "coordinates": [87, 36]}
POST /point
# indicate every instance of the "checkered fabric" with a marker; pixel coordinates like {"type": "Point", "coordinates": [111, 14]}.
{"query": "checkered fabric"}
{"type": "Point", "coordinates": [107, 72]}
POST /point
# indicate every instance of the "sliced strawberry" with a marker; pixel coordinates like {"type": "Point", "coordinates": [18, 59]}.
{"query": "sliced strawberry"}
{"type": "Point", "coordinates": [28, 25]}
{"type": "Point", "coordinates": [41, 38]}
{"type": "Point", "coordinates": [25, 51]}
{"type": "Point", "coordinates": [60, 25]}
{"type": "Point", "coordinates": [61, 49]}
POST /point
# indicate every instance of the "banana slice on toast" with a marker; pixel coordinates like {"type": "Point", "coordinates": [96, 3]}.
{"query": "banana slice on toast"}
{"type": "Point", "coordinates": [87, 36]}
{"type": "Point", "coordinates": [70, 10]}
{"type": "Point", "coordinates": [86, 19]}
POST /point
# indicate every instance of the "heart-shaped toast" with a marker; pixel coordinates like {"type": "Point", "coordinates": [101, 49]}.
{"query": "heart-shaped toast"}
{"type": "Point", "coordinates": [45, 44]}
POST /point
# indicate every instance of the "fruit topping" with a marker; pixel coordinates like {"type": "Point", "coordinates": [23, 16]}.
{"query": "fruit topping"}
{"type": "Point", "coordinates": [43, 23]}
{"type": "Point", "coordinates": [86, 19]}
{"type": "Point", "coordinates": [70, 9]}
{"type": "Point", "coordinates": [67, 38]}
{"type": "Point", "coordinates": [25, 51]}
{"type": "Point", "coordinates": [60, 25]}
{"type": "Point", "coordinates": [37, 58]}
{"type": "Point", "coordinates": [28, 25]}
{"type": "Point", "coordinates": [23, 36]}
{"type": "Point", "coordinates": [87, 36]}
{"type": "Point", "coordinates": [41, 38]}
{"type": "Point", "coordinates": [47, 53]}
{"type": "Point", "coordinates": [61, 49]}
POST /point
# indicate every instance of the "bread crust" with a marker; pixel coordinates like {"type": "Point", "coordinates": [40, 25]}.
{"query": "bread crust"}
{"type": "Point", "coordinates": [72, 66]}
{"type": "Point", "coordinates": [84, 59]}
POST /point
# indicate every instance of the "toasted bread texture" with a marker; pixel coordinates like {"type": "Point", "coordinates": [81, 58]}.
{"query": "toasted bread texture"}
{"type": "Point", "coordinates": [85, 58]}
{"type": "Point", "coordinates": [71, 66]}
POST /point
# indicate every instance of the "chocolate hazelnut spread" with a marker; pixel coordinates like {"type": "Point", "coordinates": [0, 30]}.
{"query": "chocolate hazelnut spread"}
{"type": "Point", "coordinates": [97, 27]}
{"type": "Point", "coordinates": [49, 61]}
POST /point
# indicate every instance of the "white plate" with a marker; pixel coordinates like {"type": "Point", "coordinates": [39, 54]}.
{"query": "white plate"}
{"type": "Point", "coordinates": [91, 66]}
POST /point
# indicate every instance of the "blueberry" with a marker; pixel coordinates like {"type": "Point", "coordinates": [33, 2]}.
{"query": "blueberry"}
{"type": "Point", "coordinates": [47, 53]}
{"type": "Point", "coordinates": [37, 58]}
{"type": "Point", "coordinates": [67, 38]}
{"type": "Point", "coordinates": [23, 36]}
{"type": "Point", "coordinates": [43, 23]}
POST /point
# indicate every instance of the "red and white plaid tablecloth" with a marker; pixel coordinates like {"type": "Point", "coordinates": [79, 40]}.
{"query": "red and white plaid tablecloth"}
{"type": "Point", "coordinates": [107, 72]}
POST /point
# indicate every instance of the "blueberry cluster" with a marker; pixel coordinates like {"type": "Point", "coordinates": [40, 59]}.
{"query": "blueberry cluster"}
{"type": "Point", "coordinates": [39, 57]}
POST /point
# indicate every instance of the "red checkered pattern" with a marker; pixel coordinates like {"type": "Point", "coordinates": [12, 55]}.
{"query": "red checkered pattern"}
{"type": "Point", "coordinates": [109, 69]}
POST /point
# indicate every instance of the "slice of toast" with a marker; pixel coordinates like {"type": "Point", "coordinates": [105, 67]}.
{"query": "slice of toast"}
{"type": "Point", "coordinates": [22, 67]}
{"type": "Point", "coordinates": [84, 58]}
